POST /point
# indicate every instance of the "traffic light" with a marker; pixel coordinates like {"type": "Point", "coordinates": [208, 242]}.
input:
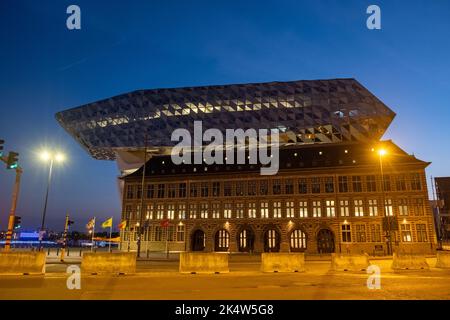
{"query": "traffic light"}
{"type": "Point", "coordinates": [17, 222]}
{"type": "Point", "coordinates": [2, 142]}
{"type": "Point", "coordinates": [12, 161]}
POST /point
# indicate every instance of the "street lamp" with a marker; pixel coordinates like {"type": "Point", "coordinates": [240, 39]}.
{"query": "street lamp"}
{"type": "Point", "coordinates": [50, 158]}
{"type": "Point", "coordinates": [382, 153]}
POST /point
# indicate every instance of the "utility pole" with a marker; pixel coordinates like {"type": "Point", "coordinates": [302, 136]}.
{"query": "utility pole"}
{"type": "Point", "coordinates": [141, 206]}
{"type": "Point", "coordinates": [12, 213]}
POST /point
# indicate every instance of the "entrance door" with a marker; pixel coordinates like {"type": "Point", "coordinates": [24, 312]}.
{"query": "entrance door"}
{"type": "Point", "coordinates": [271, 241]}
{"type": "Point", "coordinates": [198, 240]}
{"type": "Point", "coordinates": [325, 241]}
{"type": "Point", "coordinates": [246, 240]}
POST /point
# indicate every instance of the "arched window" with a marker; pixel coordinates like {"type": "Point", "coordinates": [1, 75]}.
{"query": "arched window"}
{"type": "Point", "coordinates": [298, 240]}
{"type": "Point", "coordinates": [222, 240]}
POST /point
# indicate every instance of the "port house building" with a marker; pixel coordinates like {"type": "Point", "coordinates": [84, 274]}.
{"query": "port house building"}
{"type": "Point", "coordinates": [333, 191]}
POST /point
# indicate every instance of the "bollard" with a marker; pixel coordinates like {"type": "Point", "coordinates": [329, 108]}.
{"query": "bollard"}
{"type": "Point", "coordinates": [80, 252]}
{"type": "Point", "coordinates": [68, 251]}
{"type": "Point", "coordinates": [48, 251]}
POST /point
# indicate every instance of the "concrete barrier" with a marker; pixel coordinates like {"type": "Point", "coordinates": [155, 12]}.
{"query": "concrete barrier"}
{"type": "Point", "coordinates": [282, 262]}
{"type": "Point", "coordinates": [203, 262]}
{"type": "Point", "coordinates": [108, 263]}
{"type": "Point", "coordinates": [409, 262]}
{"type": "Point", "coordinates": [22, 262]}
{"type": "Point", "coordinates": [349, 262]}
{"type": "Point", "coordinates": [443, 259]}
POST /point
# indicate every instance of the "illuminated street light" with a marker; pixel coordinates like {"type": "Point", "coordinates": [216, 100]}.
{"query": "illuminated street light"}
{"type": "Point", "coordinates": [48, 157]}
{"type": "Point", "coordinates": [382, 152]}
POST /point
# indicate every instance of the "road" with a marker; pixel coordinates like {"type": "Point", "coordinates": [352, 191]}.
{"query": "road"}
{"type": "Point", "coordinates": [159, 279]}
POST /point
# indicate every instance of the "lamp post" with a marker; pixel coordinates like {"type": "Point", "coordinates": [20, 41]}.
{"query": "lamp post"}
{"type": "Point", "coordinates": [50, 158]}
{"type": "Point", "coordinates": [382, 153]}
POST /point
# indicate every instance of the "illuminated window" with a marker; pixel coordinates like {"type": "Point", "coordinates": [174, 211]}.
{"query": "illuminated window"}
{"type": "Point", "coordinates": [344, 208]}
{"type": "Point", "coordinates": [264, 210]}
{"type": "Point", "coordinates": [277, 209]}
{"type": "Point", "coordinates": [359, 208]}
{"type": "Point", "coordinates": [330, 209]}
{"type": "Point", "coordinates": [227, 209]}
{"type": "Point", "coordinates": [149, 212]}
{"type": "Point", "coordinates": [406, 232]}
{"type": "Point", "coordinates": [403, 207]}
{"type": "Point", "coordinates": [388, 207]}
{"type": "Point", "coordinates": [373, 207]}
{"type": "Point", "coordinates": [303, 209]}
{"type": "Point", "coordinates": [181, 211]}
{"type": "Point", "coordinates": [252, 210]}
{"type": "Point", "coordinates": [204, 210]}
{"type": "Point", "coordinates": [317, 209]}
{"type": "Point", "coordinates": [193, 211]}
{"type": "Point", "coordinates": [298, 239]}
{"type": "Point", "coordinates": [290, 209]}
{"type": "Point", "coordinates": [170, 211]}
{"type": "Point", "coordinates": [239, 210]}
{"type": "Point", "coordinates": [215, 209]}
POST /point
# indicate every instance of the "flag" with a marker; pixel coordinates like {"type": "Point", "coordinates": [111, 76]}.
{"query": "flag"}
{"type": "Point", "coordinates": [165, 223]}
{"type": "Point", "coordinates": [122, 225]}
{"type": "Point", "coordinates": [107, 223]}
{"type": "Point", "coordinates": [90, 224]}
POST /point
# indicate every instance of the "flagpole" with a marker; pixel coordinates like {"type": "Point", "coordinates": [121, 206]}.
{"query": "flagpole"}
{"type": "Point", "coordinates": [93, 231]}
{"type": "Point", "coordinates": [110, 233]}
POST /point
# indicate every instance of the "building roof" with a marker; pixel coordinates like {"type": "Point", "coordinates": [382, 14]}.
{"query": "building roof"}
{"type": "Point", "coordinates": [307, 157]}
{"type": "Point", "coordinates": [305, 111]}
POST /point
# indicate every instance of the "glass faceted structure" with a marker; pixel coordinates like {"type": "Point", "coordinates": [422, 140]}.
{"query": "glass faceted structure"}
{"type": "Point", "coordinates": [305, 112]}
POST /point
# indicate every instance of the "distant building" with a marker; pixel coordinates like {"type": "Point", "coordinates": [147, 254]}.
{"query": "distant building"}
{"type": "Point", "coordinates": [442, 185]}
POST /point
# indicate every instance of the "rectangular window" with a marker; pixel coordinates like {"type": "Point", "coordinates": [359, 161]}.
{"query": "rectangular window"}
{"type": "Point", "coordinates": [158, 233]}
{"type": "Point", "coordinates": [227, 209]}
{"type": "Point", "coordinates": [149, 212]}
{"type": "Point", "coordinates": [388, 207]}
{"type": "Point", "coordinates": [240, 189]}
{"type": "Point", "coordinates": [289, 185]}
{"type": "Point", "coordinates": [387, 182]}
{"type": "Point", "coordinates": [252, 210]}
{"type": "Point", "coordinates": [329, 184]}
{"type": "Point", "coordinates": [204, 189]}
{"type": "Point", "coordinates": [276, 186]}
{"type": "Point", "coordinates": [303, 209]}
{"type": "Point", "coordinates": [204, 210]}
{"type": "Point", "coordinates": [330, 208]}
{"type": "Point", "coordinates": [215, 210]}
{"type": "Point", "coordinates": [251, 188]}
{"type": "Point", "coordinates": [161, 190]}
{"type": "Point", "coordinates": [359, 208]}
{"type": "Point", "coordinates": [172, 190]}
{"type": "Point", "coordinates": [181, 211]}
{"type": "Point", "coordinates": [357, 184]}
{"type": "Point", "coordinates": [180, 233]}
{"type": "Point", "coordinates": [360, 233]}
{"type": "Point", "coordinates": [343, 183]}
{"type": "Point", "coordinates": [317, 209]}
{"type": "Point", "coordinates": [130, 192]}
{"type": "Point", "coordinates": [302, 186]}
{"type": "Point", "coordinates": [371, 183]}
{"type": "Point", "coordinates": [216, 189]}
{"type": "Point", "coordinates": [139, 192]}
{"type": "Point", "coordinates": [264, 187]}
{"type": "Point", "coordinates": [421, 232]}
{"type": "Point", "coordinates": [170, 211]}
{"type": "Point", "coordinates": [418, 206]}
{"type": "Point", "coordinates": [150, 191]}
{"type": "Point", "coordinates": [344, 208]}
{"type": "Point", "coordinates": [406, 232]}
{"type": "Point", "coordinates": [160, 211]}
{"type": "Point", "coordinates": [315, 185]}
{"type": "Point", "coordinates": [375, 232]}
{"type": "Point", "coordinates": [239, 210]}
{"type": "Point", "coordinates": [346, 233]}
{"type": "Point", "coordinates": [403, 207]}
{"type": "Point", "coordinates": [415, 182]}
{"type": "Point", "coordinates": [400, 182]}
{"type": "Point", "coordinates": [277, 209]}
{"type": "Point", "coordinates": [264, 210]}
{"type": "Point", "coordinates": [373, 207]}
{"type": "Point", "coordinates": [193, 190]}
{"type": "Point", "coordinates": [228, 189]}
{"type": "Point", "coordinates": [128, 212]}
{"type": "Point", "coordinates": [192, 211]}
{"type": "Point", "coordinates": [290, 209]}
{"type": "Point", "coordinates": [182, 190]}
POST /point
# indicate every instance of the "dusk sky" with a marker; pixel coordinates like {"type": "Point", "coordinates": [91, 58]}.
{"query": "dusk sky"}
{"type": "Point", "coordinates": [129, 45]}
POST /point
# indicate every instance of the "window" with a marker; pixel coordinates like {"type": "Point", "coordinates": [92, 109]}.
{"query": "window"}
{"type": "Point", "coordinates": [139, 192]}
{"type": "Point", "coordinates": [343, 184]}
{"type": "Point", "coordinates": [387, 182]}
{"type": "Point", "coordinates": [331, 211]}
{"type": "Point", "coordinates": [403, 207]}
{"type": "Point", "coordinates": [228, 189]}
{"type": "Point", "coordinates": [170, 233]}
{"type": "Point", "coordinates": [193, 190]}
{"type": "Point", "coordinates": [223, 239]}
{"type": "Point", "coordinates": [192, 211]}
{"type": "Point", "coordinates": [204, 189]}
{"type": "Point", "coordinates": [251, 188]}
{"type": "Point", "coordinates": [289, 185]}
{"type": "Point", "coordinates": [315, 185]}
{"type": "Point", "coordinates": [264, 209]}
{"type": "Point", "coordinates": [415, 182]}
{"type": "Point", "coordinates": [371, 183]}
{"type": "Point", "coordinates": [170, 211]}
{"type": "Point", "coordinates": [373, 207]}
{"type": "Point", "coordinates": [298, 239]}
{"type": "Point", "coordinates": [252, 210]}
{"type": "Point", "coordinates": [346, 233]}
{"type": "Point", "coordinates": [158, 233]}
{"type": "Point", "coordinates": [227, 208]}
{"type": "Point", "coordinates": [161, 188]}
{"type": "Point", "coordinates": [302, 186]}
{"type": "Point", "coordinates": [290, 209]}
{"type": "Point", "coordinates": [317, 210]}
{"type": "Point", "coordinates": [128, 211]}
{"type": "Point", "coordinates": [182, 190]}
{"type": "Point", "coordinates": [359, 209]}
{"type": "Point", "coordinates": [215, 209]}
{"type": "Point", "coordinates": [172, 190]}
{"type": "Point", "coordinates": [149, 212]}
{"type": "Point", "coordinates": [388, 207]}
{"type": "Point", "coordinates": [400, 183]}
{"type": "Point", "coordinates": [277, 209]}
{"type": "Point", "coordinates": [160, 212]}
{"type": "Point", "coordinates": [357, 184]}
{"type": "Point", "coordinates": [216, 189]}
{"type": "Point", "coordinates": [276, 186]}
{"type": "Point", "coordinates": [329, 184]}
{"type": "Point", "coordinates": [271, 238]}
{"type": "Point", "coordinates": [204, 210]}
{"type": "Point", "coordinates": [421, 232]}
{"type": "Point", "coordinates": [181, 211]}
{"type": "Point", "coordinates": [344, 208]}
{"type": "Point", "coordinates": [239, 210]}
{"type": "Point", "coordinates": [303, 209]}
{"type": "Point", "coordinates": [375, 232]}
{"type": "Point", "coordinates": [240, 189]}
{"type": "Point", "coordinates": [418, 206]}
{"type": "Point", "coordinates": [360, 233]}
{"type": "Point", "coordinates": [180, 233]}
{"type": "Point", "coordinates": [130, 192]}
{"type": "Point", "coordinates": [263, 187]}
{"type": "Point", "coordinates": [406, 232]}
{"type": "Point", "coordinates": [150, 191]}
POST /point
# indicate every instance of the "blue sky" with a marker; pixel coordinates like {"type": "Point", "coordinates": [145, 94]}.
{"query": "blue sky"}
{"type": "Point", "coordinates": [129, 45]}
